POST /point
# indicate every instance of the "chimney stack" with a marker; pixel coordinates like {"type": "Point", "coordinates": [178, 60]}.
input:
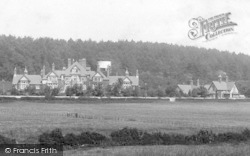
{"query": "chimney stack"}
{"type": "Point", "coordinates": [43, 75]}
{"type": "Point", "coordinates": [15, 72]}
{"type": "Point", "coordinates": [69, 62]}
{"type": "Point", "coordinates": [53, 66]}
{"type": "Point", "coordinates": [226, 79]}
{"type": "Point", "coordinates": [137, 74]}
{"type": "Point", "coordinates": [220, 78]}
{"type": "Point", "coordinates": [82, 62]}
{"type": "Point", "coordinates": [192, 84]}
{"type": "Point", "coordinates": [98, 67]}
{"type": "Point", "coordinates": [198, 82]}
{"type": "Point", "coordinates": [108, 71]}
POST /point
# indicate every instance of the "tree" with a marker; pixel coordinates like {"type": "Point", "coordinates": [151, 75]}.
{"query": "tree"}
{"type": "Point", "coordinates": [128, 91]}
{"type": "Point", "coordinates": [203, 92]}
{"type": "Point", "coordinates": [170, 91]}
{"type": "Point", "coordinates": [137, 91]}
{"type": "Point", "coordinates": [108, 90]}
{"type": "Point", "coordinates": [247, 93]}
{"type": "Point", "coordinates": [31, 90]}
{"type": "Point", "coordinates": [48, 92]}
{"type": "Point", "coordinates": [160, 92]}
{"type": "Point", "coordinates": [69, 91]}
{"type": "Point", "coordinates": [152, 92]}
{"type": "Point", "coordinates": [14, 91]}
{"type": "Point", "coordinates": [89, 91]}
{"type": "Point", "coordinates": [99, 90]}
{"type": "Point", "coordinates": [195, 92]}
{"type": "Point", "coordinates": [117, 87]}
{"type": "Point", "coordinates": [55, 92]}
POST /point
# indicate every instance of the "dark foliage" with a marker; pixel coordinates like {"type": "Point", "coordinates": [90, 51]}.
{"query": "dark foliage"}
{"type": "Point", "coordinates": [55, 137]}
{"type": "Point", "coordinates": [5, 140]}
{"type": "Point", "coordinates": [133, 136]}
{"type": "Point", "coordinates": [158, 64]}
{"type": "Point", "coordinates": [127, 136]}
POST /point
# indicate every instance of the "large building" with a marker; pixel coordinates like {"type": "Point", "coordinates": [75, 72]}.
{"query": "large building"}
{"type": "Point", "coordinates": [77, 72]}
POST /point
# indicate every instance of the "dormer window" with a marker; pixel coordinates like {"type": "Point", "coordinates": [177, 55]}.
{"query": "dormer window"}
{"type": "Point", "coordinates": [75, 70]}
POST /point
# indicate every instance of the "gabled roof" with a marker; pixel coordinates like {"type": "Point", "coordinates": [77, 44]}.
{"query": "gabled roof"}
{"type": "Point", "coordinates": [102, 75]}
{"type": "Point", "coordinates": [223, 85]}
{"type": "Point", "coordinates": [114, 79]}
{"type": "Point", "coordinates": [186, 88]}
{"type": "Point", "coordinates": [33, 79]}
{"type": "Point", "coordinates": [83, 71]}
{"type": "Point", "coordinates": [67, 72]}
{"type": "Point", "coordinates": [46, 76]}
{"type": "Point", "coordinates": [59, 72]}
{"type": "Point", "coordinates": [207, 86]}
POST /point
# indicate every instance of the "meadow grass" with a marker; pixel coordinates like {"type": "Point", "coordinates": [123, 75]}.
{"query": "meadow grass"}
{"type": "Point", "coordinates": [24, 121]}
{"type": "Point", "coordinates": [175, 150]}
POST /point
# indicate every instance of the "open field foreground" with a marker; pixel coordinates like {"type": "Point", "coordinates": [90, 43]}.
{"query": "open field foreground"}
{"type": "Point", "coordinates": [176, 150]}
{"type": "Point", "coordinates": [24, 121]}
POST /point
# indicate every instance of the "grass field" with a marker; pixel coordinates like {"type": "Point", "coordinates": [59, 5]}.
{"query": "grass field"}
{"type": "Point", "coordinates": [24, 121]}
{"type": "Point", "coordinates": [176, 150]}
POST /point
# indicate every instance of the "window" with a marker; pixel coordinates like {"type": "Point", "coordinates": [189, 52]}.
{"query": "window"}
{"type": "Point", "coordinates": [75, 70]}
{"type": "Point", "coordinates": [37, 86]}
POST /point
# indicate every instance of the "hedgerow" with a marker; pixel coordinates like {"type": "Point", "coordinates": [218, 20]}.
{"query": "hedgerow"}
{"type": "Point", "coordinates": [132, 136]}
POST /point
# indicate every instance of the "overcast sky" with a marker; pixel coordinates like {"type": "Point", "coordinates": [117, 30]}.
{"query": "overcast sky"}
{"type": "Point", "coordinates": [146, 20]}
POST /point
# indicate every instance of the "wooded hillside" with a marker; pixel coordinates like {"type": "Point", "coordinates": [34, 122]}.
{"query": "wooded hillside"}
{"type": "Point", "coordinates": [159, 64]}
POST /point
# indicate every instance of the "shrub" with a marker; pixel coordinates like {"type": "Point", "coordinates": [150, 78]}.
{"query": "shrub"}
{"type": "Point", "coordinates": [91, 138]}
{"type": "Point", "coordinates": [127, 136]}
{"type": "Point", "coordinates": [152, 139]}
{"type": "Point", "coordinates": [152, 93]}
{"type": "Point", "coordinates": [205, 137]}
{"type": "Point", "coordinates": [69, 91]}
{"type": "Point", "coordinates": [99, 90]}
{"type": "Point", "coordinates": [171, 91]}
{"type": "Point", "coordinates": [137, 92]}
{"type": "Point", "coordinates": [71, 139]}
{"type": "Point", "coordinates": [166, 139]}
{"type": "Point", "coordinates": [160, 92]}
{"type": "Point", "coordinates": [246, 133]}
{"type": "Point", "coordinates": [127, 91]}
{"type": "Point", "coordinates": [14, 91]}
{"type": "Point", "coordinates": [55, 92]}
{"type": "Point", "coordinates": [85, 138]}
{"type": "Point", "coordinates": [31, 90]}
{"type": "Point", "coordinates": [55, 137]}
{"type": "Point", "coordinates": [47, 92]}
{"type": "Point", "coordinates": [97, 138]}
{"type": "Point", "coordinates": [4, 140]}
{"type": "Point", "coordinates": [230, 137]}
{"type": "Point", "coordinates": [46, 139]}
{"type": "Point", "coordinates": [178, 139]}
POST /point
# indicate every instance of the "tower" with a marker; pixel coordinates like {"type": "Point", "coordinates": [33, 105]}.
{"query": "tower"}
{"type": "Point", "coordinates": [126, 72]}
{"type": "Point", "coordinates": [25, 71]}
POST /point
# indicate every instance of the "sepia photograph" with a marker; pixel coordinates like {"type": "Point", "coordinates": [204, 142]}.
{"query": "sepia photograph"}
{"type": "Point", "coordinates": [124, 78]}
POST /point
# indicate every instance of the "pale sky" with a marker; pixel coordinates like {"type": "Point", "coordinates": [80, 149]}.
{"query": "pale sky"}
{"type": "Point", "coordinates": [162, 21]}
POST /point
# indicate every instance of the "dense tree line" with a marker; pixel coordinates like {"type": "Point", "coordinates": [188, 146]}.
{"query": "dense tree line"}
{"type": "Point", "coordinates": [160, 65]}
